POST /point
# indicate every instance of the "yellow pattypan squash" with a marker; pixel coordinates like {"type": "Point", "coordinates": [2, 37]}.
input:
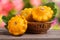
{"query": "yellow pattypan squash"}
{"type": "Point", "coordinates": [17, 25]}
{"type": "Point", "coordinates": [26, 13]}
{"type": "Point", "coordinates": [42, 13]}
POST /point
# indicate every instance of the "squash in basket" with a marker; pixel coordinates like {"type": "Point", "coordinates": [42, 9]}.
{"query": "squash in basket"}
{"type": "Point", "coordinates": [17, 25]}
{"type": "Point", "coordinates": [26, 13]}
{"type": "Point", "coordinates": [42, 13]}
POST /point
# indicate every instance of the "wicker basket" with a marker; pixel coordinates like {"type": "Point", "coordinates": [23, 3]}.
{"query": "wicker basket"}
{"type": "Point", "coordinates": [37, 27]}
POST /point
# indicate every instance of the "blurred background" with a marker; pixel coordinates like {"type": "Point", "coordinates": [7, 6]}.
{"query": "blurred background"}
{"type": "Point", "coordinates": [17, 5]}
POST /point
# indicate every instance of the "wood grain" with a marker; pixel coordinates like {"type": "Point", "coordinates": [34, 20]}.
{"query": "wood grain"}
{"type": "Point", "coordinates": [50, 35]}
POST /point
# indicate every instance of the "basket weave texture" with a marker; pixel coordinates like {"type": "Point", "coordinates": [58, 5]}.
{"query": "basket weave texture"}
{"type": "Point", "coordinates": [38, 27]}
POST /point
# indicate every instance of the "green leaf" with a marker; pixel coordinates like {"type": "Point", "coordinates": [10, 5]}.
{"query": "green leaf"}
{"type": "Point", "coordinates": [44, 1]}
{"type": "Point", "coordinates": [59, 19]}
{"type": "Point", "coordinates": [27, 4]}
{"type": "Point", "coordinates": [4, 18]}
{"type": "Point", "coordinates": [50, 4]}
{"type": "Point", "coordinates": [10, 15]}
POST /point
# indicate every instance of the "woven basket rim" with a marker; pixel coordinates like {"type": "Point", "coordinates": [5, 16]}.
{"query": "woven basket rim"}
{"type": "Point", "coordinates": [41, 22]}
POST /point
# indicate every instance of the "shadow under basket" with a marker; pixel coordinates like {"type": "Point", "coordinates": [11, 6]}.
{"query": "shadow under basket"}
{"type": "Point", "coordinates": [38, 28]}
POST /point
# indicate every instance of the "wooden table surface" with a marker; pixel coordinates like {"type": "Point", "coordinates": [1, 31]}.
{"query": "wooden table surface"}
{"type": "Point", "coordinates": [50, 35]}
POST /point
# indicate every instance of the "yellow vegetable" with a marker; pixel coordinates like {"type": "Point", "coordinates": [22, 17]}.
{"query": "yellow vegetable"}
{"type": "Point", "coordinates": [17, 25]}
{"type": "Point", "coordinates": [26, 13]}
{"type": "Point", "coordinates": [42, 13]}
{"type": "Point", "coordinates": [0, 18]}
